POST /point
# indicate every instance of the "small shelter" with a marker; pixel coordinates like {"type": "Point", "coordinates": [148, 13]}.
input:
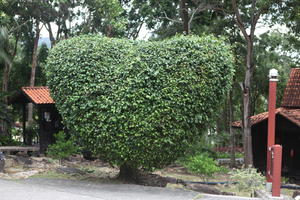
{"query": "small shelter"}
{"type": "Point", "coordinates": [49, 120]}
{"type": "Point", "coordinates": [287, 129]}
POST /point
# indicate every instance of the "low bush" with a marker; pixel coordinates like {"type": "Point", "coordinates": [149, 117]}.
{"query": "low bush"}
{"type": "Point", "coordinates": [248, 179]}
{"type": "Point", "coordinates": [138, 104]}
{"type": "Point", "coordinates": [201, 146]}
{"type": "Point", "coordinates": [202, 164]}
{"type": "Point", "coordinates": [62, 148]}
{"type": "Point", "coordinates": [8, 141]}
{"type": "Point", "coordinates": [227, 155]}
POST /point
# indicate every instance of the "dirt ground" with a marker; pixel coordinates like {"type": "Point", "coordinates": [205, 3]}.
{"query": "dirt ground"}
{"type": "Point", "coordinates": [174, 176]}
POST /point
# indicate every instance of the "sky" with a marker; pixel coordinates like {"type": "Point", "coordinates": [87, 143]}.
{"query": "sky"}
{"type": "Point", "coordinates": [145, 33]}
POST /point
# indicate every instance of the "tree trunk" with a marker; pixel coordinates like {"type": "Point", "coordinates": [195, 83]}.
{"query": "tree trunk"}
{"type": "Point", "coordinates": [247, 106]}
{"type": "Point", "coordinates": [128, 173]}
{"type": "Point", "coordinates": [34, 55]}
{"type": "Point", "coordinates": [109, 31]}
{"type": "Point", "coordinates": [185, 17]}
{"type": "Point", "coordinates": [51, 36]}
{"type": "Point", "coordinates": [5, 78]}
{"type": "Point", "coordinates": [232, 136]}
{"type": "Point", "coordinates": [33, 70]}
{"type": "Point", "coordinates": [5, 82]}
{"type": "Point", "coordinates": [249, 38]}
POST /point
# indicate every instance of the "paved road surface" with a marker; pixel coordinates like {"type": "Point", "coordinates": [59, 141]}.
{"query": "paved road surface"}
{"type": "Point", "coordinates": [53, 189]}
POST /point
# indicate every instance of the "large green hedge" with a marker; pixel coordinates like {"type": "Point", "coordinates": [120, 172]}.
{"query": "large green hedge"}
{"type": "Point", "coordinates": [138, 103]}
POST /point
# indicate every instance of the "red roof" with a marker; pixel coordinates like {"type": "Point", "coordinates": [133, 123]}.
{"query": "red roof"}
{"type": "Point", "coordinates": [253, 119]}
{"type": "Point", "coordinates": [38, 95]}
{"type": "Point", "coordinates": [291, 96]}
{"type": "Point", "coordinates": [291, 114]}
{"type": "Point", "coordinates": [290, 107]}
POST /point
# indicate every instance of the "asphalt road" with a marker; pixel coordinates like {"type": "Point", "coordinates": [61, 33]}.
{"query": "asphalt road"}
{"type": "Point", "coordinates": [54, 189]}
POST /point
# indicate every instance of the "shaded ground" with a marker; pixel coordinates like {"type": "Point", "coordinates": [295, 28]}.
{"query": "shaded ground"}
{"type": "Point", "coordinates": [49, 189]}
{"type": "Point", "coordinates": [80, 170]}
{"type": "Point", "coordinates": [41, 188]}
{"type": "Point", "coordinates": [77, 168]}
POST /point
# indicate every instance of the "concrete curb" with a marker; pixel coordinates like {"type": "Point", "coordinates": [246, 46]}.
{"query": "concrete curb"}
{"type": "Point", "coordinates": [230, 197]}
{"type": "Point", "coordinates": [267, 196]}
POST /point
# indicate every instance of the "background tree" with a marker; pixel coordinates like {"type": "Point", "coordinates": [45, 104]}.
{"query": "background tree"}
{"type": "Point", "coordinates": [247, 16]}
{"type": "Point", "coordinates": [238, 21]}
{"type": "Point", "coordinates": [8, 50]}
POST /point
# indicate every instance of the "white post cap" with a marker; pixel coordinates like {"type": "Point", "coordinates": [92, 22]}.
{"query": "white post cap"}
{"type": "Point", "coordinates": [273, 74]}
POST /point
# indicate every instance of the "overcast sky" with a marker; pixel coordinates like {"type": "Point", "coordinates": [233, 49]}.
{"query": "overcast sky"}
{"type": "Point", "coordinates": [146, 33]}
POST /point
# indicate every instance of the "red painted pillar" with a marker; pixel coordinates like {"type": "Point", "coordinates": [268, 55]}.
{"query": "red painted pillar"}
{"type": "Point", "coordinates": [276, 171]}
{"type": "Point", "coordinates": [273, 74]}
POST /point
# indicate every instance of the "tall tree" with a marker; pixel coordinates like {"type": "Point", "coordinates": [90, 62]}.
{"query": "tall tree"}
{"type": "Point", "coordinates": [8, 51]}
{"type": "Point", "coordinates": [33, 70]}
{"type": "Point", "coordinates": [166, 18]}
{"type": "Point", "coordinates": [4, 54]}
{"type": "Point", "coordinates": [185, 17]}
{"type": "Point", "coordinates": [247, 16]}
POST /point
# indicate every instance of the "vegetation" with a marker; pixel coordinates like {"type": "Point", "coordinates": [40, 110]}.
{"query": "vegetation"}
{"type": "Point", "coordinates": [62, 148]}
{"type": "Point", "coordinates": [248, 179]}
{"type": "Point", "coordinates": [22, 58]}
{"type": "Point", "coordinates": [138, 104]}
{"type": "Point", "coordinates": [202, 164]}
{"type": "Point", "coordinates": [8, 141]}
{"type": "Point", "coordinates": [227, 155]}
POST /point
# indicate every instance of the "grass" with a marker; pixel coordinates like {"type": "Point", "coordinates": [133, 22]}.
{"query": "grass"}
{"type": "Point", "coordinates": [181, 173]}
{"type": "Point", "coordinates": [287, 192]}
{"type": "Point", "coordinates": [91, 173]}
{"type": "Point", "coordinates": [231, 188]}
{"type": "Point", "coordinates": [54, 175]}
{"type": "Point", "coordinates": [199, 196]}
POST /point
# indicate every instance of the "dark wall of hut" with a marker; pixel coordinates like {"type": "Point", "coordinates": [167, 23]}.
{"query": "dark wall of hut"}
{"type": "Point", "coordinates": [49, 124]}
{"type": "Point", "coordinates": [287, 135]}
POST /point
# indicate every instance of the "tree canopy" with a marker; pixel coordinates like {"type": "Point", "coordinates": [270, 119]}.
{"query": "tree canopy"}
{"type": "Point", "coordinates": [139, 103]}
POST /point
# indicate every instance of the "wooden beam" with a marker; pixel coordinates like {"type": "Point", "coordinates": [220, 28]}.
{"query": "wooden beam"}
{"type": "Point", "coordinates": [24, 122]}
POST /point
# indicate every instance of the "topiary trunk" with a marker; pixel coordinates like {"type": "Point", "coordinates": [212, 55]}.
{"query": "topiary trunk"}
{"type": "Point", "coordinates": [128, 173]}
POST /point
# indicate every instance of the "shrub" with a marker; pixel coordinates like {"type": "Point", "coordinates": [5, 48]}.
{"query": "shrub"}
{"type": "Point", "coordinates": [202, 164]}
{"type": "Point", "coordinates": [62, 148]}
{"type": "Point", "coordinates": [202, 145]}
{"type": "Point", "coordinates": [8, 141]}
{"type": "Point", "coordinates": [138, 104]}
{"type": "Point", "coordinates": [227, 155]}
{"type": "Point", "coordinates": [248, 179]}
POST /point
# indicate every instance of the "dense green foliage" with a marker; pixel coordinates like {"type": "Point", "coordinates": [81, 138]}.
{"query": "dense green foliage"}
{"type": "Point", "coordinates": [138, 103]}
{"type": "Point", "coordinates": [8, 141]}
{"type": "Point", "coordinates": [227, 155]}
{"type": "Point", "coordinates": [202, 164]}
{"type": "Point", "coordinates": [62, 148]}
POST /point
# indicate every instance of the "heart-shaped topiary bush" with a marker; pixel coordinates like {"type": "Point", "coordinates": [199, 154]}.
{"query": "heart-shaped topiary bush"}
{"type": "Point", "coordinates": [138, 104]}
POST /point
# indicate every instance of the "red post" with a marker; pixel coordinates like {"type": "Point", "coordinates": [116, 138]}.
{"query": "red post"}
{"type": "Point", "coordinates": [276, 171]}
{"type": "Point", "coordinates": [271, 118]}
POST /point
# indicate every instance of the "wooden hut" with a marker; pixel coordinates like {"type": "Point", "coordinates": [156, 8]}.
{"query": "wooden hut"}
{"type": "Point", "coordinates": [49, 120]}
{"type": "Point", "coordinates": [287, 129]}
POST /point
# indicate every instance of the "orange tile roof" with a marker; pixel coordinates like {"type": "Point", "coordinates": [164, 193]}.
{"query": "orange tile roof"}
{"type": "Point", "coordinates": [292, 115]}
{"type": "Point", "coordinates": [253, 119]}
{"type": "Point", "coordinates": [38, 95]}
{"type": "Point", "coordinates": [291, 97]}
